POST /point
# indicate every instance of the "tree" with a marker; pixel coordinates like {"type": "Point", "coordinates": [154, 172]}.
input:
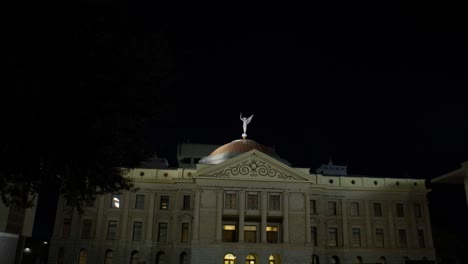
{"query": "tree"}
{"type": "Point", "coordinates": [87, 84]}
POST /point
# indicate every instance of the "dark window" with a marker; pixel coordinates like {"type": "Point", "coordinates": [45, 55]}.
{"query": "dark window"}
{"type": "Point", "coordinates": [379, 238]}
{"type": "Point", "coordinates": [275, 203]}
{"type": "Point", "coordinates": [139, 201]}
{"type": "Point", "coordinates": [421, 239]}
{"type": "Point", "coordinates": [186, 205]}
{"type": "Point", "coordinates": [378, 209]}
{"type": "Point", "coordinates": [417, 210]}
{"type": "Point", "coordinates": [331, 208]}
{"type": "Point", "coordinates": [229, 233]}
{"type": "Point", "coordinates": [313, 235]}
{"type": "Point", "coordinates": [230, 201]}
{"type": "Point", "coordinates": [66, 228]}
{"type": "Point", "coordinates": [184, 234]}
{"type": "Point", "coordinates": [356, 239]}
{"type": "Point", "coordinates": [332, 237]}
{"type": "Point", "coordinates": [86, 229]}
{"type": "Point", "coordinates": [112, 230]}
{"type": "Point", "coordinates": [252, 201]}
{"type": "Point", "coordinates": [250, 234]}
{"type": "Point", "coordinates": [164, 205]}
{"type": "Point", "coordinates": [61, 253]}
{"type": "Point", "coordinates": [137, 231]}
{"type": "Point", "coordinates": [400, 210]}
{"type": "Point", "coordinates": [354, 209]}
{"type": "Point", "coordinates": [313, 206]}
{"type": "Point", "coordinates": [272, 234]}
{"type": "Point", "coordinates": [402, 238]}
{"type": "Point", "coordinates": [162, 232]}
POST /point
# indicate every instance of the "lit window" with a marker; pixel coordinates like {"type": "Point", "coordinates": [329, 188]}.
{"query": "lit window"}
{"type": "Point", "coordinates": [164, 205]}
{"type": "Point", "coordinates": [272, 234]}
{"type": "Point", "coordinates": [115, 201]}
{"type": "Point", "coordinates": [250, 233]}
{"type": "Point", "coordinates": [229, 233]}
{"type": "Point", "coordinates": [229, 259]}
{"type": "Point", "coordinates": [250, 259]}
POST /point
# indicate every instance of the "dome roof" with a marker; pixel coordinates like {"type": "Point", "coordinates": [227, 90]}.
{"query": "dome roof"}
{"type": "Point", "coordinates": [235, 148]}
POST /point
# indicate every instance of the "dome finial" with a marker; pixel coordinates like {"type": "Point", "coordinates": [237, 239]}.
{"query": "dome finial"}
{"type": "Point", "coordinates": [245, 121]}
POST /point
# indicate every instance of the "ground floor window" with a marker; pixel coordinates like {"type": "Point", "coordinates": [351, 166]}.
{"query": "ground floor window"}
{"type": "Point", "coordinates": [229, 259]}
{"type": "Point", "coordinates": [108, 257]}
{"type": "Point", "coordinates": [83, 257]}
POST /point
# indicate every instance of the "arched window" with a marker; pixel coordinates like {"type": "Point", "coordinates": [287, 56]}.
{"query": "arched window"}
{"type": "Point", "coordinates": [381, 260]}
{"type": "Point", "coordinates": [83, 257]}
{"type": "Point", "coordinates": [108, 257]}
{"type": "Point", "coordinates": [60, 256]}
{"type": "Point", "coordinates": [271, 260]}
{"type": "Point", "coordinates": [250, 259]}
{"type": "Point", "coordinates": [135, 257]}
{"type": "Point", "coordinates": [183, 258]}
{"type": "Point", "coordinates": [334, 260]}
{"type": "Point", "coordinates": [229, 259]}
{"type": "Point", "coordinates": [315, 259]}
{"type": "Point", "coordinates": [358, 260]}
{"type": "Point", "coordinates": [161, 258]}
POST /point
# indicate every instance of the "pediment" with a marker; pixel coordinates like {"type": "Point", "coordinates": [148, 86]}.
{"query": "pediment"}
{"type": "Point", "coordinates": [252, 165]}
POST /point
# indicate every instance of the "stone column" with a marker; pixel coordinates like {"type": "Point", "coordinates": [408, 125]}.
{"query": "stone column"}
{"type": "Point", "coordinates": [100, 216]}
{"type": "Point", "coordinates": [196, 215]}
{"type": "Point", "coordinates": [125, 205]}
{"type": "Point", "coordinates": [285, 217]}
{"type": "Point", "coordinates": [427, 220]}
{"type": "Point", "coordinates": [219, 216]}
{"type": "Point", "coordinates": [241, 215]}
{"type": "Point", "coordinates": [391, 231]}
{"type": "Point", "coordinates": [264, 209]}
{"type": "Point", "coordinates": [150, 217]}
{"type": "Point", "coordinates": [307, 218]}
{"type": "Point", "coordinates": [369, 232]}
{"type": "Point", "coordinates": [344, 218]}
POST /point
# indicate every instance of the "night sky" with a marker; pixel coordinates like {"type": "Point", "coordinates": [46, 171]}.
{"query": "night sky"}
{"type": "Point", "coordinates": [379, 88]}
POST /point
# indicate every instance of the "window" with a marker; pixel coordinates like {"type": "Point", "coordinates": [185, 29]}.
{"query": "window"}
{"type": "Point", "coordinates": [83, 257]}
{"type": "Point", "coordinates": [313, 235]}
{"type": "Point", "coordinates": [135, 257]}
{"type": "Point", "coordinates": [331, 208]}
{"type": "Point", "coordinates": [378, 209]}
{"type": "Point", "coordinates": [417, 210]}
{"type": "Point", "coordinates": [313, 206]}
{"type": "Point", "coordinates": [230, 201]}
{"type": "Point", "coordinates": [421, 240]}
{"type": "Point", "coordinates": [61, 253]}
{"type": "Point", "coordinates": [162, 232]}
{"type": "Point", "coordinates": [86, 229]}
{"type": "Point", "coordinates": [271, 260]}
{"type": "Point", "coordinates": [356, 237]}
{"type": "Point", "coordinates": [184, 234]}
{"type": "Point", "coordinates": [112, 230]}
{"type": "Point", "coordinates": [186, 205]}
{"type": "Point", "coordinates": [272, 234]}
{"type": "Point", "coordinates": [139, 201]}
{"type": "Point", "coordinates": [250, 259]}
{"type": "Point", "coordinates": [229, 259]}
{"type": "Point", "coordinates": [354, 209]}
{"type": "Point", "coordinates": [164, 204]}
{"type": "Point", "coordinates": [400, 210]}
{"type": "Point", "coordinates": [332, 237]}
{"type": "Point", "coordinates": [250, 234]}
{"type": "Point", "coordinates": [379, 238]}
{"type": "Point", "coordinates": [183, 258]}
{"type": "Point", "coordinates": [402, 238]}
{"type": "Point", "coordinates": [252, 201]}
{"type": "Point", "coordinates": [115, 200]}
{"type": "Point", "coordinates": [66, 228]}
{"type": "Point", "coordinates": [229, 233]}
{"type": "Point", "coordinates": [137, 230]}
{"type": "Point", "coordinates": [108, 257]}
{"type": "Point", "coordinates": [275, 203]}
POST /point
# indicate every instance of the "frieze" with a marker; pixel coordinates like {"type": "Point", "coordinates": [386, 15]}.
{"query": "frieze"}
{"type": "Point", "coordinates": [254, 168]}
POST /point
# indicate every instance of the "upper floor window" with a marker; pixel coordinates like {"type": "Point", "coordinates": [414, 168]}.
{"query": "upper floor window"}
{"type": "Point", "coordinates": [184, 234]}
{"type": "Point", "coordinates": [164, 204]}
{"type": "Point", "coordinates": [417, 210]}
{"type": "Point", "coordinates": [252, 201]}
{"type": "Point", "coordinates": [86, 229]}
{"type": "Point", "coordinates": [400, 210]}
{"type": "Point", "coordinates": [377, 209]}
{"type": "Point", "coordinates": [139, 201]}
{"type": "Point", "coordinates": [354, 209]}
{"type": "Point", "coordinates": [186, 204]}
{"type": "Point", "coordinates": [313, 206]}
{"type": "Point", "coordinates": [332, 237]}
{"type": "Point", "coordinates": [356, 238]}
{"type": "Point", "coordinates": [402, 238]}
{"type": "Point", "coordinates": [162, 232]}
{"type": "Point", "coordinates": [115, 200]}
{"type": "Point", "coordinates": [112, 230]}
{"type": "Point", "coordinates": [331, 208]}
{"type": "Point", "coordinates": [379, 238]}
{"type": "Point", "coordinates": [137, 231]}
{"type": "Point", "coordinates": [313, 235]}
{"type": "Point", "coordinates": [66, 228]}
{"type": "Point", "coordinates": [274, 202]}
{"type": "Point", "coordinates": [230, 201]}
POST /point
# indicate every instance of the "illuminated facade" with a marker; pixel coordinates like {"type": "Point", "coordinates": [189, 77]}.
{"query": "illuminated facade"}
{"type": "Point", "coordinates": [244, 204]}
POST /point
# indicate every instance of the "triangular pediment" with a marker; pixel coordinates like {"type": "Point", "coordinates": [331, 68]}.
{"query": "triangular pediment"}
{"type": "Point", "coordinates": [252, 165]}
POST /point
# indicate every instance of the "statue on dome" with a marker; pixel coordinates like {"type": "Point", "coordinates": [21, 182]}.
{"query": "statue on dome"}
{"type": "Point", "coordinates": [245, 121]}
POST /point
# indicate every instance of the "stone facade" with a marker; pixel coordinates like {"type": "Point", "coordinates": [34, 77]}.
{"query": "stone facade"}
{"type": "Point", "coordinates": [251, 208]}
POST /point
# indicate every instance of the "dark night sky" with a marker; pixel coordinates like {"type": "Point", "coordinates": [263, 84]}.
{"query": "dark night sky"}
{"type": "Point", "coordinates": [380, 88]}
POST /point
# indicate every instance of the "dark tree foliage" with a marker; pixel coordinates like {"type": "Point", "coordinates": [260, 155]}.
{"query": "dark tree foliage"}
{"type": "Point", "coordinates": [85, 85]}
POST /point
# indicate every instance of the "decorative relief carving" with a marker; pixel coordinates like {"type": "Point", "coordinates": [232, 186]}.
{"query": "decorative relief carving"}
{"type": "Point", "coordinates": [252, 167]}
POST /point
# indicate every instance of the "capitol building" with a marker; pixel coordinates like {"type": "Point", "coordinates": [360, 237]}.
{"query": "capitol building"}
{"type": "Point", "coordinates": [242, 203]}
